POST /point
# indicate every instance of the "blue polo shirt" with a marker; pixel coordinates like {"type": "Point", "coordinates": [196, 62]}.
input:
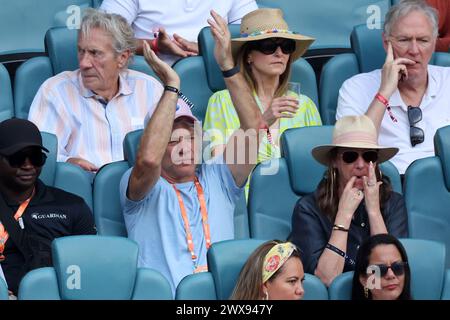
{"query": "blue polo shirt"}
{"type": "Point", "coordinates": [156, 224]}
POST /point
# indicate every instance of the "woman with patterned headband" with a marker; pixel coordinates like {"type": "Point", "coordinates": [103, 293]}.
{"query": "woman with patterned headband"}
{"type": "Point", "coordinates": [264, 54]}
{"type": "Point", "coordinates": [274, 271]}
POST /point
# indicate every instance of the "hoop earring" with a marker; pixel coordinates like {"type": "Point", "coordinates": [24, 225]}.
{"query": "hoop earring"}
{"type": "Point", "coordinates": [266, 295]}
{"type": "Point", "coordinates": [366, 292]}
{"type": "Point", "coordinates": [381, 173]}
{"type": "Point", "coordinates": [332, 175]}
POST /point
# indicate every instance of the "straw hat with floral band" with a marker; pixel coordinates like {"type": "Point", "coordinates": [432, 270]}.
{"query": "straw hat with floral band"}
{"type": "Point", "coordinates": [269, 23]}
{"type": "Point", "coordinates": [357, 132]}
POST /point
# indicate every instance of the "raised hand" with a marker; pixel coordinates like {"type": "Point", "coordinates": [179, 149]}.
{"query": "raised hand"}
{"type": "Point", "coordinates": [350, 199]}
{"type": "Point", "coordinates": [222, 38]}
{"type": "Point", "coordinates": [393, 71]}
{"type": "Point", "coordinates": [167, 75]}
{"type": "Point", "coordinates": [372, 190]}
{"type": "Point", "coordinates": [281, 107]}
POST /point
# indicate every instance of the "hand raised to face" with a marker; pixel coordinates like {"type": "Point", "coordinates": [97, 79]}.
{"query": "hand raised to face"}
{"type": "Point", "coordinates": [394, 70]}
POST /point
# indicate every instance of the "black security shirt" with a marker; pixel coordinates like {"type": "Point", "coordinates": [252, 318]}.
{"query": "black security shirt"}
{"type": "Point", "coordinates": [51, 213]}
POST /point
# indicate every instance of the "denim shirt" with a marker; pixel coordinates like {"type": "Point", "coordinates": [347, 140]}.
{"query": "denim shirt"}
{"type": "Point", "coordinates": [311, 229]}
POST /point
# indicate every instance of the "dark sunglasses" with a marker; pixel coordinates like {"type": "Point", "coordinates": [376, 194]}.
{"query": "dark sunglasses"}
{"type": "Point", "coordinates": [351, 156]}
{"type": "Point", "coordinates": [398, 268]}
{"type": "Point", "coordinates": [416, 134]}
{"type": "Point", "coordinates": [269, 46]}
{"type": "Point", "coordinates": [16, 160]}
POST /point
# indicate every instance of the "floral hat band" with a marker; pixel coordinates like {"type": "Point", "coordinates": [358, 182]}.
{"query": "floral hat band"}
{"type": "Point", "coordinates": [268, 31]}
{"type": "Point", "coordinates": [275, 259]}
{"type": "Point", "coordinates": [266, 23]}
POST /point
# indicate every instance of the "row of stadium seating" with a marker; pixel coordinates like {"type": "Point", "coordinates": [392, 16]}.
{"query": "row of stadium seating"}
{"type": "Point", "coordinates": [275, 187]}
{"type": "Point", "coordinates": [329, 21]}
{"type": "Point", "coordinates": [102, 267]}
{"type": "Point", "coordinates": [200, 76]}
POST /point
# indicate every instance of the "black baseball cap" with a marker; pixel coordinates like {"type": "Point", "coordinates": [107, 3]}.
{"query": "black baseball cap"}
{"type": "Point", "coordinates": [17, 134]}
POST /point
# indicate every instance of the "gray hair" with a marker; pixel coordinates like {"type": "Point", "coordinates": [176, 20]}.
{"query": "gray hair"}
{"type": "Point", "coordinates": [404, 8]}
{"type": "Point", "coordinates": [114, 25]}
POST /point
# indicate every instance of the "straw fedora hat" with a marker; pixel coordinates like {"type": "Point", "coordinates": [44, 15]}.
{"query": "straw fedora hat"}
{"type": "Point", "coordinates": [269, 23]}
{"type": "Point", "coordinates": [354, 132]}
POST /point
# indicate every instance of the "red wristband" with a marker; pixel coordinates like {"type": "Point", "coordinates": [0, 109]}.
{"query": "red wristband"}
{"type": "Point", "coordinates": [382, 99]}
{"type": "Point", "coordinates": [385, 101]}
{"type": "Point", "coordinates": [154, 45]}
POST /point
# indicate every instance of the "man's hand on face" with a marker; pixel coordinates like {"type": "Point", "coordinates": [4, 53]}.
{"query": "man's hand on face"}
{"type": "Point", "coordinates": [394, 70]}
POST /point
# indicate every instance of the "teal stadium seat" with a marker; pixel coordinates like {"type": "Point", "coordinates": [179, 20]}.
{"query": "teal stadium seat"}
{"type": "Point", "coordinates": [368, 55]}
{"type": "Point", "coordinates": [6, 100]}
{"type": "Point", "coordinates": [273, 195]}
{"type": "Point", "coordinates": [24, 23]}
{"type": "Point", "coordinates": [225, 261]}
{"type": "Point", "coordinates": [64, 175]}
{"type": "Point", "coordinates": [329, 21]}
{"type": "Point", "coordinates": [427, 193]}
{"type": "Point", "coordinates": [3, 290]}
{"type": "Point", "coordinates": [93, 268]}
{"type": "Point", "coordinates": [61, 48]}
{"type": "Point", "coordinates": [429, 277]}
{"type": "Point", "coordinates": [107, 209]}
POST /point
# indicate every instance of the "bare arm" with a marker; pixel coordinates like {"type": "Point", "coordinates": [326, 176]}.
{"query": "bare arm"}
{"type": "Point", "coordinates": [331, 264]}
{"type": "Point", "coordinates": [248, 112]}
{"type": "Point", "coordinates": [372, 200]}
{"type": "Point", "coordinates": [394, 70]}
{"type": "Point", "coordinates": [156, 136]}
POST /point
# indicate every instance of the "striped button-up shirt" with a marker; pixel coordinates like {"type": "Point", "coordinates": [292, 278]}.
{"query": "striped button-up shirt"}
{"type": "Point", "coordinates": [86, 126]}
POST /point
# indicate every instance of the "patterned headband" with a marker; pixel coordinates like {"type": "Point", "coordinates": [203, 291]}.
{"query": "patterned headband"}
{"type": "Point", "coordinates": [275, 258]}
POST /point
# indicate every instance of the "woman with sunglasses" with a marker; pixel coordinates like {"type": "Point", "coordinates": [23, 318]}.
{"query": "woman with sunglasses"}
{"type": "Point", "coordinates": [352, 202]}
{"type": "Point", "coordinates": [264, 54]}
{"type": "Point", "coordinates": [273, 271]}
{"type": "Point", "coordinates": [382, 270]}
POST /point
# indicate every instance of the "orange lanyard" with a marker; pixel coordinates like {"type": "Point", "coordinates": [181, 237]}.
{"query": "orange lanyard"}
{"type": "Point", "coordinates": [4, 235]}
{"type": "Point", "coordinates": [204, 212]}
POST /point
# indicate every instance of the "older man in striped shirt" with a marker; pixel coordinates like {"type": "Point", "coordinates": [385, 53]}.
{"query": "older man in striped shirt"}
{"type": "Point", "coordinates": [91, 109]}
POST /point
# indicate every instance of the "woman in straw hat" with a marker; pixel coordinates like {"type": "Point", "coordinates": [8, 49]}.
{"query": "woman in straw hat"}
{"type": "Point", "coordinates": [273, 271]}
{"type": "Point", "coordinates": [352, 202]}
{"type": "Point", "coordinates": [264, 54]}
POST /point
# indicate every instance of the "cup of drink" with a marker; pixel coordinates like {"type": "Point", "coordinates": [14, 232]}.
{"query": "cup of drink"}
{"type": "Point", "coordinates": [294, 89]}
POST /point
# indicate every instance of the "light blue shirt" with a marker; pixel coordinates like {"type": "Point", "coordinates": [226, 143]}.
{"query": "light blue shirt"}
{"type": "Point", "coordinates": [155, 222]}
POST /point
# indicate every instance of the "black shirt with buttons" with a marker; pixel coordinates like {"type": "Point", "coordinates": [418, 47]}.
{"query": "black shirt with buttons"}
{"type": "Point", "coordinates": [311, 229]}
{"type": "Point", "coordinates": [51, 213]}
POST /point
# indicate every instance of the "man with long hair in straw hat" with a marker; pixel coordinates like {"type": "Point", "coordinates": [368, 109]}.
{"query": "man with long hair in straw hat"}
{"type": "Point", "coordinates": [352, 202]}
{"type": "Point", "coordinates": [264, 53]}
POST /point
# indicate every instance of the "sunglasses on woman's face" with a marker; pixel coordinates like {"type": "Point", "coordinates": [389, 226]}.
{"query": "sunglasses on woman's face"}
{"type": "Point", "coordinates": [398, 268]}
{"type": "Point", "coordinates": [351, 156]}
{"type": "Point", "coordinates": [269, 46]}
{"type": "Point", "coordinates": [16, 160]}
